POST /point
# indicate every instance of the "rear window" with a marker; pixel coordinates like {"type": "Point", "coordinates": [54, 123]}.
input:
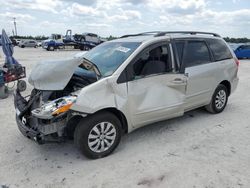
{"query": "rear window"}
{"type": "Point", "coordinates": [245, 47]}
{"type": "Point", "coordinates": [219, 49]}
{"type": "Point", "coordinates": [196, 53]}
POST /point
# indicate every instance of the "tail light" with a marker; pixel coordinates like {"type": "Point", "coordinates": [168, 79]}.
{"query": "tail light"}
{"type": "Point", "coordinates": [237, 61]}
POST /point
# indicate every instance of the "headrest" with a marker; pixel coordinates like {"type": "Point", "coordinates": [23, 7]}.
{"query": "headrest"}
{"type": "Point", "coordinates": [156, 53]}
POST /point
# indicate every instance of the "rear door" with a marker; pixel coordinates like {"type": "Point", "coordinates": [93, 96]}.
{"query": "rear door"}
{"type": "Point", "coordinates": [196, 64]}
{"type": "Point", "coordinates": [155, 96]}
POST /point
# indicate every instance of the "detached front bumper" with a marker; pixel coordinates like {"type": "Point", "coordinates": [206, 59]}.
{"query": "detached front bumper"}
{"type": "Point", "coordinates": [28, 132]}
{"type": "Point", "coordinates": [32, 127]}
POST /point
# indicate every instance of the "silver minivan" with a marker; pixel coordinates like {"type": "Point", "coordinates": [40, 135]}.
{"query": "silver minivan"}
{"type": "Point", "coordinates": [124, 84]}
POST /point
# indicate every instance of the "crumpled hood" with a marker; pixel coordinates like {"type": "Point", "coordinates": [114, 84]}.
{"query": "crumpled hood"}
{"type": "Point", "coordinates": [53, 75]}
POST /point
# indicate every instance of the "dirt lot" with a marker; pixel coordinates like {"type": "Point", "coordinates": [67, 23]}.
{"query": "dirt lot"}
{"type": "Point", "coordinates": [196, 150]}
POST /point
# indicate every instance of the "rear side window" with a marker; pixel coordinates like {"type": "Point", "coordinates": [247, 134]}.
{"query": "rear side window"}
{"type": "Point", "coordinates": [219, 49]}
{"type": "Point", "coordinates": [196, 53]}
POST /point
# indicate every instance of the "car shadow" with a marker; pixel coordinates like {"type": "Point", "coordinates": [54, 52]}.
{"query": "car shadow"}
{"type": "Point", "coordinates": [67, 150]}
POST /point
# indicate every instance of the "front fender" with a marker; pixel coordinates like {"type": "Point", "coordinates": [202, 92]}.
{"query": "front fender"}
{"type": "Point", "coordinates": [105, 93]}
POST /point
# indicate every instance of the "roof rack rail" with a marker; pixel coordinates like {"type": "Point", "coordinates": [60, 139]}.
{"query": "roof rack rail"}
{"type": "Point", "coordinates": [142, 34]}
{"type": "Point", "coordinates": [186, 32]}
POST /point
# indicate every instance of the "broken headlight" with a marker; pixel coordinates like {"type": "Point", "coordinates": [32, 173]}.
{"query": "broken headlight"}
{"type": "Point", "coordinates": [54, 108]}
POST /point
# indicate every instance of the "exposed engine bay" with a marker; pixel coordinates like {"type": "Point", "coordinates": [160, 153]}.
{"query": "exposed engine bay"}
{"type": "Point", "coordinates": [43, 116]}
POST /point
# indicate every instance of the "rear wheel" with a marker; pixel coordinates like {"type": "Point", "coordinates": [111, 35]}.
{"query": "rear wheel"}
{"type": "Point", "coordinates": [219, 100]}
{"type": "Point", "coordinates": [51, 48]}
{"type": "Point", "coordinates": [98, 135]}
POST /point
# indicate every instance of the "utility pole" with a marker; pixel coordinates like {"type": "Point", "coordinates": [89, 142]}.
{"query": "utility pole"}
{"type": "Point", "coordinates": [15, 25]}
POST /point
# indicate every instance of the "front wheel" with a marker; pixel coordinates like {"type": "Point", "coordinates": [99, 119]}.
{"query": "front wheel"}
{"type": "Point", "coordinates": [219, 100]}
{"type": "Point", "coordinates": [98, 135]}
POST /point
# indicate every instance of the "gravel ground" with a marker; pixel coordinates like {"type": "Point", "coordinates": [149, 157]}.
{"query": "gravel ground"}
{"type": "Point", "coordinates": [196, 150]}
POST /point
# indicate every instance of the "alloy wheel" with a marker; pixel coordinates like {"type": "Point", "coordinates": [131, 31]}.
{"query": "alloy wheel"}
{"type": "Point", "coordinates": [101, 137]}
{"type": "Point", "coordinates": [220, 99]}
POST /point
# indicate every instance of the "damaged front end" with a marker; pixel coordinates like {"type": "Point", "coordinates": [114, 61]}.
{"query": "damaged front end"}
{"type": "Point", "coordinates": [43, 116]}
{"type": "Point", "coordinates": [43, 122]}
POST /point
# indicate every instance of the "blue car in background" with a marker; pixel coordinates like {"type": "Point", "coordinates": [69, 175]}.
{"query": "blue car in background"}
{"type": "Point", "coordinates": [243, 51]}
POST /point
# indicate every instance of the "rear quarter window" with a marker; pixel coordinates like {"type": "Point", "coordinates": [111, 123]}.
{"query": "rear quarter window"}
{"type": "Point", "coordinates": [219, 49]}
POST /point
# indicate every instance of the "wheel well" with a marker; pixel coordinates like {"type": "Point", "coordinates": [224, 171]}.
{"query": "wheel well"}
{"type": "Point", "coordinates": [71, 125]}
{"type": "Point", "coordinates": [119, 115]}
{"type": "Point", "coordinates": [227, 85]}
{"type": "Point", "coordinates": [73, 121]}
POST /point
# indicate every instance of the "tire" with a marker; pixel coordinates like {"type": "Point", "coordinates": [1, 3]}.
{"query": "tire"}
{"type": "Point", "coordinates": [4, 92]}
{"type": "Point", "coordinates": [35, 46]}
{"type": "Point", "coordinates": [21, 85]}
{"type": "Point", "coordinates": [51, 48]}
{"type": "Point", "coordinates": [96, 146]}
{"type": "Point", "coordinates": [219, 100]}
{"type": "Point", "coordinates": [22, 46]}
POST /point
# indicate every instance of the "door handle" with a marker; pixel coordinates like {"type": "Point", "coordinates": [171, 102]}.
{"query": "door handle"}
{"type": "Point", "coordinates": [178, 81]}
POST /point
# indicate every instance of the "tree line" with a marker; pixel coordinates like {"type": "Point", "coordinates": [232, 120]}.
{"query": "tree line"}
{"type": "Point", "coordinates": [236, 40]}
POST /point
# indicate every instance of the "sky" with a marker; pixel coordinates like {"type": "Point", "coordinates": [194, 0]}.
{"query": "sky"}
{"type": "Point", "coordinates": [118, 17]}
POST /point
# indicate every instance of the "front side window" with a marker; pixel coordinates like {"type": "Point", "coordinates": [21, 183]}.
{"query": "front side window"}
{"type": "Point", "coordinates": [152, 61]}
{"type": "Point", "coordinates": [196, 53]}
{"type": "Point", "coordinates": [110, 55]}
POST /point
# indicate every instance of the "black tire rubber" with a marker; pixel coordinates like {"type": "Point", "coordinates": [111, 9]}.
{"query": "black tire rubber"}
{"type": "Point", "coordinates": [21, 85]}
{"type": "Point", "coordinates": [84, 127]}
{"type": "Point", "coordinates": [51, 48]}
{"type": "Point", "coordinates": [22, 46]}
{"type": "Point", "coordinates": [4, 92]}
{"type": "Point", "coordinates": [211, 107]}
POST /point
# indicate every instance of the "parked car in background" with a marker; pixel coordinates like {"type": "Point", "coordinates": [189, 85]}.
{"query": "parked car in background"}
{"type": "Point", "coordinates": [14, 41]}
{"type": "Point", "coordinates": [234, 46]}
{"type": "Point", "coordinates": [28, 43]}
{"type": "Point", "coordinates": [243, 51]}
{"type": "Point", "coordinates": [0, 40]}
{"type": "Point", "coordinates": [18, 41]}
{"type": "Point", "coordinates": [39, 43]}
{"type": "Point", "coordinates": [124, 84]}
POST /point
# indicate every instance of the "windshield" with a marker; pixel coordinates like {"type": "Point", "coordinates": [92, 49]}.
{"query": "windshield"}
{"type": "Point", "coordinates": [110, 55]}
